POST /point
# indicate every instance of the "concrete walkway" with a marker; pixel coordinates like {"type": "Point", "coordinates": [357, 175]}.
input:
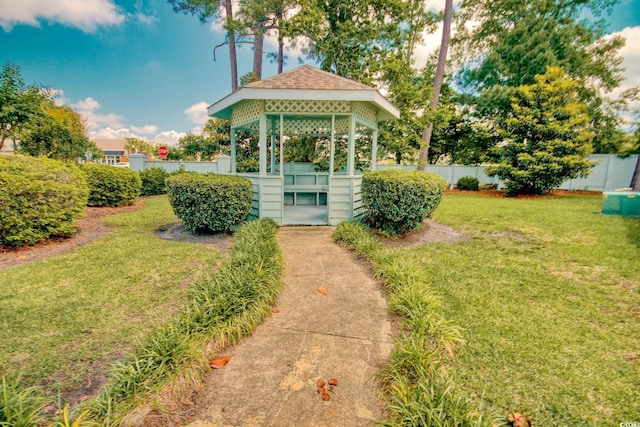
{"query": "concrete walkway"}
{"type": "Point", "coordinates": [345, 334]}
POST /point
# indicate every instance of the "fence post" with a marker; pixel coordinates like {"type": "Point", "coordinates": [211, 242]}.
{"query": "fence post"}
{"type": "Point", "coordinates": [137, 161]}
{"type": "Point", "coordinates": [224, 164]}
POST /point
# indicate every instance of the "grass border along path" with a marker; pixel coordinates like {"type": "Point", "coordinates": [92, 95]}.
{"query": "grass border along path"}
{"type": "Point", "coordinates": [220, 309]}
{"type": "Point", "coordinates": [416, 385]}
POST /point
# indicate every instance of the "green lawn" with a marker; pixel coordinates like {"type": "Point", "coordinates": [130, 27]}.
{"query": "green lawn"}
{"type": "Point", "coordinates": [66, 318]}
{"type": "Point", "coordinates": [547, 292]}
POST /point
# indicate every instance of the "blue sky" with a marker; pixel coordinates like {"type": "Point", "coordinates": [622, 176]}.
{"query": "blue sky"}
{"type": "Point", "coordinates": [136, 68]}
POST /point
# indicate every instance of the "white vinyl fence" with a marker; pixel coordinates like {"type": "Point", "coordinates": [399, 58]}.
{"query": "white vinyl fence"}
{"type": "Point", "coordinates": [610, 172]}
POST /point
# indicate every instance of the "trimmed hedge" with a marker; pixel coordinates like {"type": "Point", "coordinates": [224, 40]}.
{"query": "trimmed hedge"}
{"type": "Point", "coordinates": [153, 181]}
{"type": "Point", "coordinates": [210, 202]}
{"type": "Point", "coordinates": [40, 198]}
{"type": "Point", "coordinates": [111, 186]}
{"type": "Point", "coordinates": [468, 183]}
{"type": "Point", "coordinates": [397, 201]}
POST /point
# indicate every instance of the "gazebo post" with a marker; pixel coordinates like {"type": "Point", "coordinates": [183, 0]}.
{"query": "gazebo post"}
{"type": "Point", "coordinates": [351, 155]}
{"type": "Point", "coordinates": [332, 144]}
{"type": "Point", "coordinates": [281, 144]}
{"type": "Point", "coordinates": [232, 140]}
{"type": "Point", "coordinates": [374, 150]}
{"type": "Point", "coordinates": [263, 144]}
{"type": "Point", "coordinates": [273, 146]}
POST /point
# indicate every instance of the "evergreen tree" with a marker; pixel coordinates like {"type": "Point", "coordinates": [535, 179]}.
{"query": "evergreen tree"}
{"type": "Point", "coordinates": [546, 136]}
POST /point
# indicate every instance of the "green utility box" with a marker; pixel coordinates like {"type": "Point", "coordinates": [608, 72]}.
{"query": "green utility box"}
{"type": "Point", "coordinates": [624, 203]}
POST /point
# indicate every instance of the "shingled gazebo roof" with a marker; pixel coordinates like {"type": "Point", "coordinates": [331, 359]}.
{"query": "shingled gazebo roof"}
{"type": "Point", "coordinates": [307, 77]}
{"type": "Point", "coordinates": [306, 83]}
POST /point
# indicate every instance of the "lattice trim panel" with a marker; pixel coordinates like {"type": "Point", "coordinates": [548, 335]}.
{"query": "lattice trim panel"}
{"type": "Point", "coordinates": [366, 114]}
{"type": "Point", "coordinates": [312, 127]}
{"type": "Point", "coordinates": [306, 106]}
{"type": "Point", "coordinates": [342, 126]}
{"type": "Point", "coordinates": [247, 112]}
{"type": "Point", "coordinates": [306, 127]}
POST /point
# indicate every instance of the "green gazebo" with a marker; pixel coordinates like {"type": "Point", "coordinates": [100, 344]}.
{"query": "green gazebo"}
{"type": "Point", "coordinates": [305, 102]}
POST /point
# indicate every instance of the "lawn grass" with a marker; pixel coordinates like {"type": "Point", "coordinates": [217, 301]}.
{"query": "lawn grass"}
{"type": "Point", "coordinates": [547, 293]}
{"type": "Point", "coordinates": [66, 318]}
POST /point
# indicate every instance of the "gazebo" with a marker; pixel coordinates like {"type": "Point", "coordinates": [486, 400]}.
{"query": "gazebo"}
{"type": "Point", "coordinates": [312, 103]}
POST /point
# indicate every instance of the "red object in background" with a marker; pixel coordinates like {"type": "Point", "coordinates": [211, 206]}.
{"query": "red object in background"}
{"type": "Point", "coordinates": [163, 151]}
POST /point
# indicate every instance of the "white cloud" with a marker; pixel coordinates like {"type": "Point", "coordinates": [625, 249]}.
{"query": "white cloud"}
{"type": "Point", "coordinates": [146, 130]}
{"type": "Point", "coordinates": [59, 98]}
{"type": "Point", "coordinates": [145, 19]}
{"type": "Point", "coordinates": [110, 133]}
{"type": "Point", "coordinates": [197, 113]}
{"type": "Point", "coordinates": [170, 137]}
{"type": "Point", "coordinates": [87, 108]}
{"type": "Point", "coordinates": [86, 15]}
{"type": "Point", "coordinates": [631, 54]}
{"type": "Point", "coordinates": [430, 44]}
{"type": "Point", "coordinates": [142, 17]}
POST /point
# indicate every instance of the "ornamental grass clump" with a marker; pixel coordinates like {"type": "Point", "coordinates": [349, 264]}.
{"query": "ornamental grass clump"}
{"type": "Point", "coordinates": [417, 383]}
{"type": "Point", "coordinates": [210, 203]}
{"type": "Point", "coordinates": [40, 198]}
{"type": "Point", "coordinates": [222, 308]}
{"type": "Point", "coordinates": [397, 201]}
{"type": "Point", "coordinates": [111, 186]}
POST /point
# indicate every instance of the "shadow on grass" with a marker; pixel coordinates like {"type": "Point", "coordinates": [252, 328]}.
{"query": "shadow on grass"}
{"type": "Point", "coordinates": [633, 231]}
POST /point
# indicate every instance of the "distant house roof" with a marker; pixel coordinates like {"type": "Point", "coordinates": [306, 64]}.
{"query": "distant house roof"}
{"type": "Point", "coordinates": [306, 83]}
{"type": "Point", "coordinates": [111, 145]}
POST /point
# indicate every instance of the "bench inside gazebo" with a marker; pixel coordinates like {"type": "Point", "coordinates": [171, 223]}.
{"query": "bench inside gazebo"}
{"type": "Point", "coordinates": [305, 102]}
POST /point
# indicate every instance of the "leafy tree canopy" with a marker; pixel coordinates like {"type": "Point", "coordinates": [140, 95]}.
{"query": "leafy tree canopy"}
{"type": "Point", "coordinates": [57, 132]}
{"type": "Point", "coordinates": [20, 104]}
{"type": "Point", "coordinates": [209, 143]}
{"type": "Point", "coordinates": [351, 38]}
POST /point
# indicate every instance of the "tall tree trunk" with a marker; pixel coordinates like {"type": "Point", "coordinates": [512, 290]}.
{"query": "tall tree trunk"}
{"type": "Point", "coordinates": [635, 181]}
{"type": "Point", "coordinates": [280, 42]}
{"type": "Point", "coordinates": [258, 47]}
{"type": "Point", "coordinates": [437, 84]}
{"type": "Point", "coordinates": [233, 59]}
{"type": "Point", "coordinates": [280, 55]}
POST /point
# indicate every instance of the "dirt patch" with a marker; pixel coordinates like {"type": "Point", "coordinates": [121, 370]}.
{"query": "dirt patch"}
{"type": "Point", "coordinates": [177, 232]}
{"type": "Point", "coordinates": [90, 227]}
{"type": "Point", "coordinates": [430, 232]}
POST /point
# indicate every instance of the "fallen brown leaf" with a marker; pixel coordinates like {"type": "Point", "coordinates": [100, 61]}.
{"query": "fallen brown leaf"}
{"type": "Point", "coordinates": [320, 383]}
{"type": "Point", "coordinates": [518, 419]}
{"type": "Point", "coordinates": [333, 381]}
{"type": "Point", "coordinates": [322, 290]}
{"type": "Point", "coordinates": [321, 390]}
{"type": "Point", "coordinates": [330, 388]}
{"type": "Point", "coordinates": [220, 362]}
{"type": "Point", "coordinates": [325, 396]}
{"type": "Point", "coordinates": [275, 310]}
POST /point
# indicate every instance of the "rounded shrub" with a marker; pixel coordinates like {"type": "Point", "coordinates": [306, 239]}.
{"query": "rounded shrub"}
{"type": "Point", "coordinates": [111, 186]}
{"type": "Point", "coordinates": [398, 201]}
{"type": "Point", "coordinates": [210, 202]}
{"type": "Point", "coordinates": [40, 198]}
{"type": "Point", "coordinates": [153, 181]}
{"type": "Point", "coordinates": [468, 183]}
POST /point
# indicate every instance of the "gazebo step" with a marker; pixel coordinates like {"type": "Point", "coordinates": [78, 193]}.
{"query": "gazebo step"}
{"type": "Point", "coordinates": [306, 188]}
